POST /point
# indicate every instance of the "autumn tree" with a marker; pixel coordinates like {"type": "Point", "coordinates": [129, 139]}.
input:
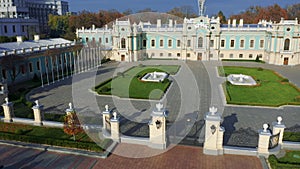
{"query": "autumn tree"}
{"type": "Point", "coordinates": [58, 25]}
{"type": "Point", "coordinates": [183, 11]}
{"type": "Point", "coordinates": [256, 13]}
{"type": "Point", "coordinates": [72, 125]}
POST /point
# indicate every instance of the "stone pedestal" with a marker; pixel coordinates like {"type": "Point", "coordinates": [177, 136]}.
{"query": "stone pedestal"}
{"type": "Point", "coordinates": [157, 128]}
{"type": "Point", "coordinates": [8, 110]}
{"type": "Point", "coordinates": [263, 141]}
{"type": "Point", "coordinates": [115, 129]}
{"type": "Point", "coordinates": [213, 144]}
{"type": "Point", "coordinates": [38, 114]}
{"type": "Point", "coordinates": [106, 115]}
{"type": "Point", "coordinates": [278, 127]}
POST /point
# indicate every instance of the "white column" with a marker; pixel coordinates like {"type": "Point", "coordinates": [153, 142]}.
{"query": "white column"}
{"type": "Point", "coordinates": [37, 112]}
{"type": "Point", "coordinates": [106, 115]}
{"type": "Point", "coordinates": [213, 144]}
{"type": "Point", "coordinates": [263, 141]}
{"type": "Point", "coordinates": [8, 111]}
{"type": "Point", "coordinates": [278, 127]}
{"type": "Point", "coordinates": [115, 127]}
{"type": "Point", "coordinates": [157, 128]}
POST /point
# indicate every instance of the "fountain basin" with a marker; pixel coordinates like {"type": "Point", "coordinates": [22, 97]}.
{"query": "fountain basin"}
{"type": "Point", "coordinates": [241, 80]}
{"type": "Point", "coordinates": [155, 77]}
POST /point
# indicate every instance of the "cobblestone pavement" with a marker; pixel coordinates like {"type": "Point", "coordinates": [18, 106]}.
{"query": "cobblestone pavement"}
{"type": "Point", "coordinates": [186, 107]}
{"type": "Point", "coordinates": [177, 158]}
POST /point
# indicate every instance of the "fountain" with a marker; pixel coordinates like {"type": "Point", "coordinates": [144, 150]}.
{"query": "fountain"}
{"type": "Point", "coordinates": [242, 80]}
{"type": "Point", "coordinates": [155, 77]}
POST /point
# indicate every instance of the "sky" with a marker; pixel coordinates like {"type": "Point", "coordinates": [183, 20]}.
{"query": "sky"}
{"type": "Point", "coordinates": [228, 7]}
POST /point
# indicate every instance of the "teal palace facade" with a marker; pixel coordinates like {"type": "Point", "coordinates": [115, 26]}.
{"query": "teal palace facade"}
{"type": "Point", "coordinates": [200, 38]}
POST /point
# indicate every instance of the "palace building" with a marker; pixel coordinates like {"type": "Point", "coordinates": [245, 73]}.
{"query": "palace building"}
{"type": "Point", "coordinates": [200, 38]}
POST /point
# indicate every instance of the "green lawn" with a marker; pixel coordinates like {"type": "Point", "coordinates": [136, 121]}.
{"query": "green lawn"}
{"type": "Point", "coordinates": [271, 91]}
{"type": "Point", "coordinates": [128, 85]}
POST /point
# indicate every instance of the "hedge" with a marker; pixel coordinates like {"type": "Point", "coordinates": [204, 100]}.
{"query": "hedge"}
{"type": "Point", "coordinates": [51, 141]}
{"type": "Point", "coordinates": [275, 164]}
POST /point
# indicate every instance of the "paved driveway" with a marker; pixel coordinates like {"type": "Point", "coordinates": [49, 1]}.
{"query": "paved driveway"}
{"type": "Point", "coordinates": [177, 158]}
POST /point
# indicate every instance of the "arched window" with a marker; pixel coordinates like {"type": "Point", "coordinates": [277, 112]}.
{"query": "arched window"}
{"type": "Point", "coordinates": [287, 44]}
{"type": "Point", "coordinates": [200, 42]}
{"type": "Point", "coordinates": [123, 43]}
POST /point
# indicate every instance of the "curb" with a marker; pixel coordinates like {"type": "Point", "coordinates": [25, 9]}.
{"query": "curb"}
{"type": "Point", "coordinates": [103, 155]}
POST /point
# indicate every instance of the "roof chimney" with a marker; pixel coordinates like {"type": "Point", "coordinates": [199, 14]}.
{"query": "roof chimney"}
{"type": "Point", "coordinates": [19, 39]}
{"type": "Point", "coordinates": [36, 38]}
{"type": "Point", "coordinates": [234, 23]}
{"type": "Point", "coordinates": [158, 23]}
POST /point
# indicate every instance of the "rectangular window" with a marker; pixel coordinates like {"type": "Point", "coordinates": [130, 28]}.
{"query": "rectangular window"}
{"type": "Point", "coordinates": [161, 43]}
{"type": "Point", "coordinates": [169, 54]}
{"type": "Point", "coordinates": [4, 74]}
{"type": "Point", "coordinates": [170, 43]}
{"type": "Point", "coordinates": [222, 43]}
{"type": "Point", "coordinates": [22, 69]}
{"type": "Point", "coordinates": [152, 43]}
{"type": "Point", "coordinates": [261, 43]}
{"type": "Point", "coordinates": [221, 55]}
{"type": "Point", "coordinates": [211, 55]}
{"type": "Point", "coordinates": [178, 54]}
{"type": "Point", "coordinates": [100, 40]}
{"type": "Point", "coordinates": [106, 40]}
{"type": "Point", "coordinates": [188, 55]}
{"type": "Point", "coordinates": [251, 43]}
{"type": "Point", "coordinates": [242, 44]}
{"type": "Point", "coordinates": [178, 43]}
{"type": "Point", "coordinates": [240, 55]}
{"type": "Point", "coordinates": [23, 28]}
{"type": "Point", "coordinates": [232, 43]}
{"type": "Point", "coordinates": [231, 55]}
{"type": "Point", "coordinates": [5, 29]}
{"type": "Point", "coordinates": [250, 55]}
{"type": "Point", "coordinates": [188, 43]}
{"type": "Point", "coordinates": [144, 43]}
{"type": "Point", "coordinates": [30, 67]}
{"type": "Point", "coordinates": [161, 54]}
{"type": "Point", "coordinates": [211, 43]}
{"type": "Point", "coordinates": [38, 65]}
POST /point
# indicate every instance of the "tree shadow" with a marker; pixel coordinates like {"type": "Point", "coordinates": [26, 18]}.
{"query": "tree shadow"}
{"type": "Point", "coordinates": [228, 124]}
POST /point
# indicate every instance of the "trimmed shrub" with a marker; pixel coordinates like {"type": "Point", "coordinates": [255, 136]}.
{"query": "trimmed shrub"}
{"type": "Point", "coordinates": [285, 80]}
{"type": "Point", "coordinates": [260, 69]}
{"type": "Point", "coordinates": [105, 89]}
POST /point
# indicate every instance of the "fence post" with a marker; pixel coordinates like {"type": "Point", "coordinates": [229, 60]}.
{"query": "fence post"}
{"type": "Point", "coordinates": [106, 115]}
{"type": "Point", "coordinates": [278, 127]}
{"type": "Point", "coordinates": [115, 127]}
{"type": "Point", "coordinates": [213, 144]}
{"type": "Point", "coordinates": [8, 110]}
{"type": "Point", "coordinates": [38, 114]}
{"type": "Point", "coordinates": [263, 141]}
{"type": "Point", "coordinates": [157, 128]}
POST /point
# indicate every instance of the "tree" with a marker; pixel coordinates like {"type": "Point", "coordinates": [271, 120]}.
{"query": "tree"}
{"type": "Point", "coordinates": [127, 12]}
{"type": "Point", "coordinates": [222, 17]}
{"type": "Point", "coordinates": [72, 125]}
{"type": "Point", "coordinates": [183, 11]}
{"type": "Point", "coordinates": [256, 13]}
{"type": "Point", "coordinates": [293, 11]}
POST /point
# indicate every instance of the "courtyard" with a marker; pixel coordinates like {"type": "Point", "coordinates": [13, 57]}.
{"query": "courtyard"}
{"type": "Point", "coordinates": [195, 88]}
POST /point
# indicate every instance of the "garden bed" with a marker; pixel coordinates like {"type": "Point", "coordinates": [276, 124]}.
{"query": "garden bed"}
{"type": "Point", "coordinates": [272, 89]}
{"type": "Point", "coordinates": [128, 84]}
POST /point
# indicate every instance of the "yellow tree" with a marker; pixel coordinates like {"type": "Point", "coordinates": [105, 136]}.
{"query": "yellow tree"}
{"type": "Point", "coordinates": [72, 125]}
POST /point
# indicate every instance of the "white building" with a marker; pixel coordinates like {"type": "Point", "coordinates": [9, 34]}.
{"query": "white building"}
{"type": "Point", "coordinates": [27, 17]}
